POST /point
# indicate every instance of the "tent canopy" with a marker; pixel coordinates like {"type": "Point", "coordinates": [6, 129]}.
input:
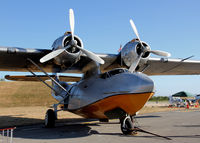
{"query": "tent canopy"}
{"type": "Point", "coordinates": [183, 94]}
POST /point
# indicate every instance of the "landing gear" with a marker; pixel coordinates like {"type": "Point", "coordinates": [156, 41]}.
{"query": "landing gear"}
{"type": "Point", "coordinates": [50, 118]}
{"type": "Point", "coordinates": [127, 126]}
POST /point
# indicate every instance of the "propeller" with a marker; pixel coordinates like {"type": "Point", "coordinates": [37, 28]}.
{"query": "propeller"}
{"type": "Point", "coordinates": [160, 53]}
{"type": "Point", "coordinates": [71, 21]}
{"type": "Point", "coordinates": [156, 52]}
{"type": "Point", "coordinates": [52, 55]}
{"type": "Point", "coordinates": [73, 43]}
{"type": "Point", "coordinates": [91, 55]}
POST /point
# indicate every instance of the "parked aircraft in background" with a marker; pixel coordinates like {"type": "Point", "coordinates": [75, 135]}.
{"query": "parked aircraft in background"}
{"type": "Point", "coordinates": [112, 85]}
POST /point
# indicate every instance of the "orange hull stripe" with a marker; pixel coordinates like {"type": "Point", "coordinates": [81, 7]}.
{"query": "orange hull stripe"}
{"type": "Point", "coordinates": [130, 103]}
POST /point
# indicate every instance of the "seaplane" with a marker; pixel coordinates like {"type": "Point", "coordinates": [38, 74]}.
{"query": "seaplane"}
{"type": "Point", "coordinates": [112, 86]}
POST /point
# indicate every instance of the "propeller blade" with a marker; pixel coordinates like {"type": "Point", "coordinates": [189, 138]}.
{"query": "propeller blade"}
{"type": "Point", "coordinates": [51, 55]}
{"type": "Point", "coordinates": [134, 29]}
{"type": "Point", "coordinates": [135, 63]}
{"type": "Point", "coordinates": [160, 53]}
{"type": "Point", "coordinates": [71, 21]}
{"type": "Point", "coordinates": [91, 55]}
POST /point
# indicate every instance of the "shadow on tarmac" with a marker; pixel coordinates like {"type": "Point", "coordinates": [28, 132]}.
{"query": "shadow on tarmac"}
{"type": "Point", "coordinates": [149, 116]}
{"type": "Point", "coordinates": [66, 131]}
{"type": "Point", "coordinates": [13, 121]}
{"type": "Point", "coordinates": [74, 128]}
{"type": "Point", "coordinates": [142, 135]}
{"type": "Point", "coordinates": [65, 128]}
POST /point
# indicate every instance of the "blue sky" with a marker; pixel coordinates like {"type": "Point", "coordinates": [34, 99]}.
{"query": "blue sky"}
{"type": "Point", "coordinates": [171, 25]}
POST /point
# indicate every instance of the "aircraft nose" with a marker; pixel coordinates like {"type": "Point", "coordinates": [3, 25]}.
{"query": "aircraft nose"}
{"type": "Point", "coordinates": [144, 83]}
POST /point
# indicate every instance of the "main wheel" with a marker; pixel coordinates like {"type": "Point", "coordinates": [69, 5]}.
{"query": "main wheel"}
{"type": "Point", "coordinates": [50, 119]}
{"type": "Point", "coordinates": [126, 125]}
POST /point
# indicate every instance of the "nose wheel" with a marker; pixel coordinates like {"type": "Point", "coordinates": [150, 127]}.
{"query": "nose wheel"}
{"type": "Point", "coordinates": [127, 125]}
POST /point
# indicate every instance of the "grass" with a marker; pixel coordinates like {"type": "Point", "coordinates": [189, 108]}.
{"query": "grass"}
{"type": "Point", "coordinates": [16, 94]}
{"type": "Point", "coordinates": [24, 103]}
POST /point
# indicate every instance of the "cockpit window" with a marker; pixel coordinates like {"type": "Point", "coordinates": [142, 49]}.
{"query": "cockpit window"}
{"type": "Point", "coordinates": [104, 75]}
{"type": "Point", "coordinates": [113, 72]}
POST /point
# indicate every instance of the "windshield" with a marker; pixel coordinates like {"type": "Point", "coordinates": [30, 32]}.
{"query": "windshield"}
{"type": "Point", "coordinates": [113, 72]}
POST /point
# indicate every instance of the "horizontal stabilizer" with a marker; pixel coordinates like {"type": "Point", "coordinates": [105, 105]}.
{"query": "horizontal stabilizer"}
{"type": "Point", "coordinates": [43, 77]}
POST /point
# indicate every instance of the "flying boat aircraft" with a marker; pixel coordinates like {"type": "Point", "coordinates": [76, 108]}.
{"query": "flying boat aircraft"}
{"type": "Point", "coordinates": [111, 86]}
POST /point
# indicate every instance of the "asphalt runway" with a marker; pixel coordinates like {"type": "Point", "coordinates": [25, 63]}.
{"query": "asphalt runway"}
{"type": "Point", "coordinates": [179, 126]}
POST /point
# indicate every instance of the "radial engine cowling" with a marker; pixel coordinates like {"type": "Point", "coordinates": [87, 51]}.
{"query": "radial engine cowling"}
{"type": "Point", "coordinates": [71, 54]}
{"type": "Point", "coordinates": [132, 49]}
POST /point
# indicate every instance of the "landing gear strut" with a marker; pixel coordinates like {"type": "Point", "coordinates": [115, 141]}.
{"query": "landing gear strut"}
{"type": "Point", "coordinates": [127, 125]}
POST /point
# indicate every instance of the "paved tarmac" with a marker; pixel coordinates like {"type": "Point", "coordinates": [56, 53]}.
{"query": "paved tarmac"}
{"type": "Point", "coordinates": [179, 126]}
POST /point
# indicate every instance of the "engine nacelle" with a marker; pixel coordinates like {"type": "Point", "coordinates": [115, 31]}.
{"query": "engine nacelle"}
{"type": "Point", "coordinates": [71, 54]}
{"type": "Point", "coordinates": [132, 49]}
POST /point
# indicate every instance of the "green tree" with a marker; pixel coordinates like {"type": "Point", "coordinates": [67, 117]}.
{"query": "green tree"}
{"type": "Point", "coordinates": [159, 98]}
{"type": "Point", "coordinates": [2, 79]}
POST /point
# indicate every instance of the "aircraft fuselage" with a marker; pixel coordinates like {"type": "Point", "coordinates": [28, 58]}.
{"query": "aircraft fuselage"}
{"type": "Point", "coordinates": [110, 93]}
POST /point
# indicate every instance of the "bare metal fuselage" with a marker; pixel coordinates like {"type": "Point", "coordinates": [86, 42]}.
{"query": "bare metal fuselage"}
{"type": "Point", "coordinates": [95, 96]}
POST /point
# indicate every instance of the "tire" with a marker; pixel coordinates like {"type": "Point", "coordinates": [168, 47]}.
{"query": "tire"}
{"type": "Point", "coordinates": [126, 125]}
{"type": "Point", "coordinates": [50, 119]}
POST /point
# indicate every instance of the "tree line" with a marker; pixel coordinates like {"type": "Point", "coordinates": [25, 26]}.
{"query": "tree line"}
{"type": "Point", "coordinates": [159, 98]}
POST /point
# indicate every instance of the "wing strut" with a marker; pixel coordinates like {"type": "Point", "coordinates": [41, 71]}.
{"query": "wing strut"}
{"type": "Point", "coordinates": [41, 79]}
{"type": "Point", "coordinates": [52, 79]}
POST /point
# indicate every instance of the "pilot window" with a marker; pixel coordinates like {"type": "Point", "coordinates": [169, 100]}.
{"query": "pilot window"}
{"type": "Point", "coordinates": [104, 75]}
{"type": "Point", "coordinates": [113, 72]}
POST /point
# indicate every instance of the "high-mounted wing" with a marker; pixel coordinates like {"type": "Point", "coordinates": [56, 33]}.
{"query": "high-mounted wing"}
{"type": "Point", "coordinates": [165, 66]}
{"type": "Point", "coordinates": [159, 66]}
{"type": "Point", "coordinates": [16, 59]}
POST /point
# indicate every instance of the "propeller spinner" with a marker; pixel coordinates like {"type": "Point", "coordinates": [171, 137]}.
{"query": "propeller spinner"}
{"type": "Point", "coordinates": [73, 43]}
{"type": "Point", "coordinates": [143, 49]}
